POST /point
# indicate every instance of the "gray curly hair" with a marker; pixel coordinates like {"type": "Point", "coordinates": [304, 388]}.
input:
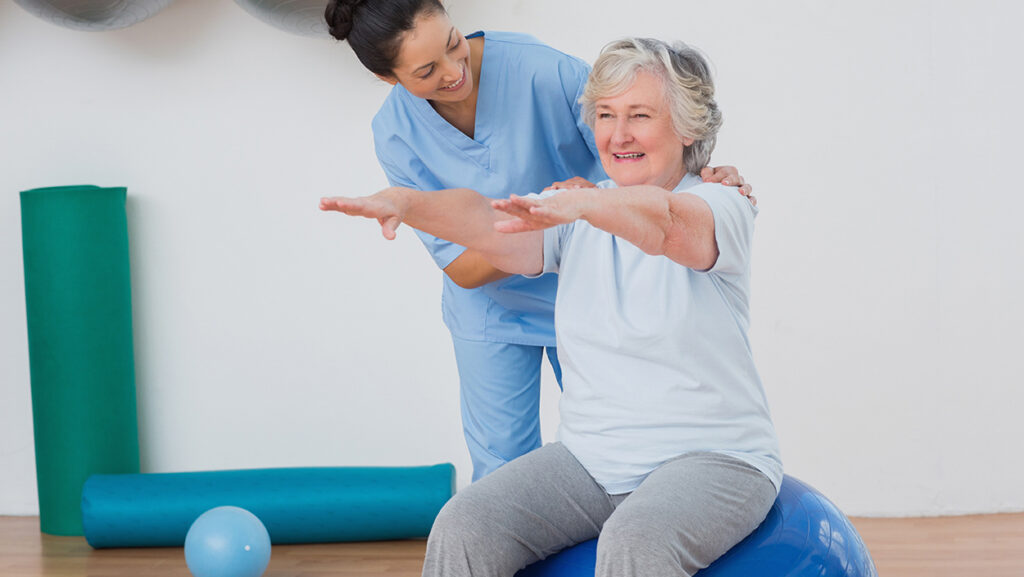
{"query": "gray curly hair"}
{"type": "Point", "coordinates": [689, 89]}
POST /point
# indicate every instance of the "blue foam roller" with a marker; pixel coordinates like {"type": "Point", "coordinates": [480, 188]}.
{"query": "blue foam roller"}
{"type": "Point", "coordinates": [804, 535]}
{"type": "Point", "coordinates": [297, 505]}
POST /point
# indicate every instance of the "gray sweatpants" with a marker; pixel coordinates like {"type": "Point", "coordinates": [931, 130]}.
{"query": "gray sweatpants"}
{"type": "Point", "coordinates": [686, 514]}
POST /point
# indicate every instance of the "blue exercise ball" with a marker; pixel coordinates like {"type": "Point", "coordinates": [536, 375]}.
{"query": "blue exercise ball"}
{"type": "Point", "coordinates": [227, 542]}
{"type": "Point", "coordinates": [94, 15]}
{"type": "Point", "coordinates": [804, 535]}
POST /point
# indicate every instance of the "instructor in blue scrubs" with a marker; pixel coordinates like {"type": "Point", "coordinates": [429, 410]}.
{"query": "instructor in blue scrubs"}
{"type": "Point", "coordinates": [499, 113]}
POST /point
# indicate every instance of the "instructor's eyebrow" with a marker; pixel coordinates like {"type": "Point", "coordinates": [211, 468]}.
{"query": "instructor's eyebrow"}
{"type": "Point", "coordinates": [450, 33]}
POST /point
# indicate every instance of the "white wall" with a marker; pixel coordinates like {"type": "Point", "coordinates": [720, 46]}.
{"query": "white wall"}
{"type": "Point", "coordinates": [882, 141]}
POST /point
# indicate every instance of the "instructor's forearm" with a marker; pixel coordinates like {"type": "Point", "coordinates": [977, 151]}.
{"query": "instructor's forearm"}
{"type": "Point", "coordinates": [472, 270]}
{"type": "Point", "coordinates": [465, 217]}
{"type": "Point", "coordinates": [458, 215]}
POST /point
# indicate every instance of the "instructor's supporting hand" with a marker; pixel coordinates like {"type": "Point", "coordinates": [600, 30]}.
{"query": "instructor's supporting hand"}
{"type": "Point", "coordinates": [387, 206]}
{"type": "Point", "coordinates": [574, 182]}
{"type": "Point", "coordinates": [729, 176]}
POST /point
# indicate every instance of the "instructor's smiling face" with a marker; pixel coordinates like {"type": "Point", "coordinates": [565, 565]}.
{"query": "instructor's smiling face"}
{"type": "Point", "coordinates": [636, 138]}
{"type": "Point", "coordinates": [433, 61]}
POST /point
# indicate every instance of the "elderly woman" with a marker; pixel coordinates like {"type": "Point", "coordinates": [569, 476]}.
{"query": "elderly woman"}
{"type": "Point", "coordinates": [497, 112]}
{"type": "Point", "coordinates": [665, 446]}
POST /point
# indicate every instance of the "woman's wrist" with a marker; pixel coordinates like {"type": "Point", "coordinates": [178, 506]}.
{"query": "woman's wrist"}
{"type": "Point", "coordinates": [588, 202]}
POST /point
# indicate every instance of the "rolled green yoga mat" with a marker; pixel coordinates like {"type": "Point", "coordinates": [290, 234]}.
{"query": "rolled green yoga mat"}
{"type": "Point", "coordinates": [297, 505]}
{"type": "Point", "coordinates": [78, 304]}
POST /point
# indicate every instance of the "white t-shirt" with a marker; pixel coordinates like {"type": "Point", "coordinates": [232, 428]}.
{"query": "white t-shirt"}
{"type": "Point", "coordinates": [655, 356]}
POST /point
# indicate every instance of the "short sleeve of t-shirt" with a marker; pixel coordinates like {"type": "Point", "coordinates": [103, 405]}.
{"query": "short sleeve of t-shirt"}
{"type": "Point", "coordinates": [734, 226]}
{"type": "Point", "coordinates": [574, 74]}
{"type": "Point", "coordinates": [442, 251]}
{"type": "Point", "coordinates": [555, 239]}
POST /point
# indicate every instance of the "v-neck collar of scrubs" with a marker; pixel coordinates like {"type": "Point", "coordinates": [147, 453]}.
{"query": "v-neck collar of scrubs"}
{"type": "Point", "coordinates": [476, 148]}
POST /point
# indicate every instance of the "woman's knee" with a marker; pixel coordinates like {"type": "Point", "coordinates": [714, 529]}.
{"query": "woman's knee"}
{"type": "Point", "coordinates": [474, 519]}
{"type": "Point", "coordinates": [460, 519]}
{"type": "Point", "coordinates": [468, 538]}
{"type": "Point", "coordinates": [634, 542]}
{"type": "Point", "coordinates": [631, 531]}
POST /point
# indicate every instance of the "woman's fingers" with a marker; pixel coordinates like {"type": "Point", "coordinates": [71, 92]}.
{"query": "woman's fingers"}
{"type": "Point", "coordinates": [574, 182]}
{"type": "Point", "coordinates": [513, 225]}
{"type": "Point", "coordinates": [328, 203]}
{"type": "Point", "coordinates": [529, 214]}
{"type": "Point", "coordinates": [727, 175]}
{"type": "Point", "coordinates": [389, 226]}
{"type": "Point", "coordinates": [341, 204]}
{"type": "Point", "coordinates": [365, 206]}
{"type": "Point", "coordinates": [515, 205]}
{"type": "Point", "coordinates": [578, 182]}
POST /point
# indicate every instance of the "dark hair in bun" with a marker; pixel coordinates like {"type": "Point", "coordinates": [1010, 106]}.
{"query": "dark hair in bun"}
{"type": "Point", "coordinates": [374, 28]}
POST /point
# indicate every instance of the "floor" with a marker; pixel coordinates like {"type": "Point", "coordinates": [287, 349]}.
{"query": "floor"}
{"type": "Point", "coordinates": [974, 545]}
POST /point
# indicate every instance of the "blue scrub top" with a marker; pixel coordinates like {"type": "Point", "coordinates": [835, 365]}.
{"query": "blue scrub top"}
{"type": "Point", "coordinates": [529, 133]}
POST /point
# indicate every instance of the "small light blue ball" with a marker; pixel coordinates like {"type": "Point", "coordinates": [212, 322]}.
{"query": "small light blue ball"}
{"type": "Point", "coordinates": [227, 542]}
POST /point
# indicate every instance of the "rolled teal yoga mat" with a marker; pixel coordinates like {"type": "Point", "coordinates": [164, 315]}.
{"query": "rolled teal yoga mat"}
{"type": "Point", "coordinates": [303, 505]}
{"type": "Point", "coordinates": [78, 305]}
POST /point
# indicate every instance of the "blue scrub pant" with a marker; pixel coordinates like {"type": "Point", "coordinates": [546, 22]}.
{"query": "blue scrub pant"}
{"type": "Point", "coordinates": [500, 397]}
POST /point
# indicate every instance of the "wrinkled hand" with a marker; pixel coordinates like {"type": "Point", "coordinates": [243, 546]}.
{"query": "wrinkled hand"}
{"type": "Point", "coordinates": [574, 182]}
{"type": "Point", "coordinates": [386, 206]}
{"type": "Point", "coordinates": [532, 213]}
{"type": "Point", "coordinates": [729, 176]}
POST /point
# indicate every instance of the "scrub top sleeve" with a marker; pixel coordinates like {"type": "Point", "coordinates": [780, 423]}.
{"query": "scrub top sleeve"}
{"type": "Point", "coordinates": [574, 74]}
{"type": "Point", "coordinates": [734, 227]}
{"type": "Point", "coordinates": [442, 251]}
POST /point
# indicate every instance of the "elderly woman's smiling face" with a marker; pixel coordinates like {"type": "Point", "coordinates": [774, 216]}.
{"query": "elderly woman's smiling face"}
{"type": "Point", "coordinates": [635, 136]}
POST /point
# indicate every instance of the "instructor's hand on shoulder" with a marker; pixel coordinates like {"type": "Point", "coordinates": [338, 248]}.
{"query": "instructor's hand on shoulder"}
{"type": "Point", "coordinates": [729, 176]}
{"type": "Point", "coordinates": [574, 182]}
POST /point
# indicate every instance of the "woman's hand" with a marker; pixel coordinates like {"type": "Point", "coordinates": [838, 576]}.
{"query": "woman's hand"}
{"type": "Point", "coordinates": [574, 182]}
{"type": "Point", "coordinates": [387, 206]}
{"type": "Point", "coordinates": [729, 176]}
{"type": "Point", "coordinates": [532, 213]}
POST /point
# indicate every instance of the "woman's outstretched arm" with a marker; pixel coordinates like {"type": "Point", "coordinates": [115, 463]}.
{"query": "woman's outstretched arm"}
{"type": "Point", "coordinates": [458, 215]}
{"type": "Point", "coordinates": [679, 226]}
